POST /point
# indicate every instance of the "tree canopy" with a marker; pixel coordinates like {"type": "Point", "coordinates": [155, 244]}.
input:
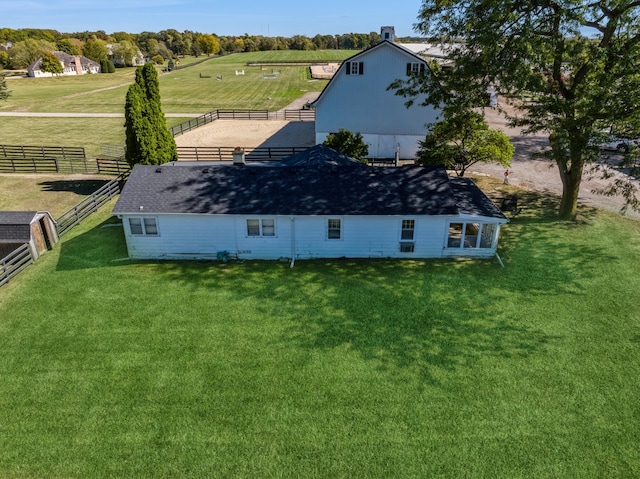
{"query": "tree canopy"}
{"type": "Point", "coordinates": [347, 143]}
{"type": "Point", "coordinates": [575, 61]}
{"type": "Point", "coordinates": [463, 139]}
{"type": "Point", "coordinates": [148, 140]}
{"type": "Point", "coordinates": [51, 64]}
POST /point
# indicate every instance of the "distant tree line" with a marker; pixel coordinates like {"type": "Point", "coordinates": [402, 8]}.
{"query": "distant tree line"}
{"type": "Point", "coordinates": [27, 45]}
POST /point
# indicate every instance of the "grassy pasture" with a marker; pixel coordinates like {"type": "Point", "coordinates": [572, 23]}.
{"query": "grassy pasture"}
{"type": "Point", "coordinates": [332, 368]}
{"type": "Point", "coordinates": [53, 193]}
{"type": "Point", "coordinates": [183, 91]}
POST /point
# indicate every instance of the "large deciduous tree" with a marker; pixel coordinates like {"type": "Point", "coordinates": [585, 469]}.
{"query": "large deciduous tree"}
{"type": "Point", "coordinates": [576, 60]}
{"type": "Point", "coordinates": [51, 64]}
{"type": "Point", "coordinates": [148, 140]}
{"type": "Point", "coordinates": [208, 44]}
{"type": "Point", "coordinates": [347, 143]}
{"type": "Point", "coordinates": [462, 139]}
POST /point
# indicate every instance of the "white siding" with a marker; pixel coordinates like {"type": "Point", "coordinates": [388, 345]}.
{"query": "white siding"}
{"type": "Point", "coordinates": [361, 103]}
{"type": "Point", "coordinates": [203, 236]}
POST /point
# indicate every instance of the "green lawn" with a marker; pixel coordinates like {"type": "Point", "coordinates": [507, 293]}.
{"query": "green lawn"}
{"type": "Point", "coordinates": [183, 91]}
{"type": "Point", "coordinates": [53, 192]}
{"type": "Point", "coordinates": [330, 369]}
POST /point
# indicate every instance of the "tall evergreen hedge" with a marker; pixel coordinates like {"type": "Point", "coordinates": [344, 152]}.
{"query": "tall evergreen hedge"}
{"type": "Point", "coordinates": [148, 139]}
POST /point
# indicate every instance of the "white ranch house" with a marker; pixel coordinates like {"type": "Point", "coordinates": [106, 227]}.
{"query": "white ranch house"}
{"type": "Point", "coordinates": [357, 100]}
{"type": "Point", "coordinates": [309, 208]}
{"type": "Point", "coordinates": [71, 65]}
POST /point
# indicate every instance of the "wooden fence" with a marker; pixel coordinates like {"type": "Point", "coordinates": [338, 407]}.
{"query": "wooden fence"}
{"type": "Point", "coordinates": [28, 165]}
{"type": "Point", "coordinates": [224, 153]}
{"type": "Point", "coordinates": [15, 262]}
{"type": "Point", "coordinates": [218, 115]}
{"type": "Point", "coordinates": [112, 166]}
{"type": "Point", "coordinates": [70, 159]}
{"type": "Point", "coordinates": [89, 205]}
{"type": "Point", "coordinates": [300, 115]}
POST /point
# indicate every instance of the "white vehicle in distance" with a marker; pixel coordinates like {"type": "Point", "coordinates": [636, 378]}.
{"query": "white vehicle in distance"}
{"type": "Point", "coordinates": [623, 145]}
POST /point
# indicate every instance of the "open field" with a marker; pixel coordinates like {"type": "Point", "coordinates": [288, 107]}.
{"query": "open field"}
{"type": "Point", "coordinates": [183, 91]}
{"type": "Point", "coordinates": [330, 369]}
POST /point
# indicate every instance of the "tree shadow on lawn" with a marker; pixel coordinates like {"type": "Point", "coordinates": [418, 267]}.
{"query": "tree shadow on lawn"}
{"type": "Point", "coordinates": [100, 247]}
{"type": "Point", "coordinates": [423, 318]}
{"type": "Point", "coordinates": [79, 187]}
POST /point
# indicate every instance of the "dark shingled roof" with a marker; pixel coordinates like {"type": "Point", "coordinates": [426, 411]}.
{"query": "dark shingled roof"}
{"type": "Point", "coordinates": [472, 201]}
{"type": "Point", "coordinates": [320, 155]}
{"type": "Point", "coordinates": [17, 217]}
{"type": "Point", "coordinates": [293, 190]}
{"type": "Point", "coordinates": [15, 226]}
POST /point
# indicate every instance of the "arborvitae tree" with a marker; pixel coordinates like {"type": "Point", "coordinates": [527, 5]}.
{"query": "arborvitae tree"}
{"type": "Point", "coordinates": [4, 91]}
{"type": "Point", "coordinates": [148, 138]}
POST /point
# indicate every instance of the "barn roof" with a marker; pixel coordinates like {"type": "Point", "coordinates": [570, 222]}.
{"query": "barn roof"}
{"type": "Point", "coordinates": [292, 190]}
{"type": "Point", "coordinates": [383, 44]}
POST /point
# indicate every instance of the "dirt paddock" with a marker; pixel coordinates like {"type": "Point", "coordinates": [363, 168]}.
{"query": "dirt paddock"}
{"type": "Point", "coordinates": [251, 133]}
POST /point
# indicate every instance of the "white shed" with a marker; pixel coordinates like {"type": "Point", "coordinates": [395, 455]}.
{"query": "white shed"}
{"type": "Point", "coordinates": [357, 100]}
{"type": "Point", "coordinates": [300, 212]}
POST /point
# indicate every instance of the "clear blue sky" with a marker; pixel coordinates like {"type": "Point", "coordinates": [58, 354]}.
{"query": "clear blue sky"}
{"type": "Point", "coordinates": [222, 17]}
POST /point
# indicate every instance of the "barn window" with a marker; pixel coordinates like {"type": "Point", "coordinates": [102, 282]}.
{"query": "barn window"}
{"type": "Point", "coordinates": [261, 227]}
{"type": "Point", "coordinates": [408, 227]}
{"type": "Point", "coordinates": [146, 226]}
{"type": "Point", "coordinates": [334, 228]}
{"type": "Point", "coordinates": [415, 67]}
{"type": "Point", "coordinates": [354, 68]}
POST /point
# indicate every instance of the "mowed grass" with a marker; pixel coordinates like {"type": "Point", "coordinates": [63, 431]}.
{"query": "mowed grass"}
{"type": "Point", "coordinates": [182, 91]}
{"type": "Point", "coordinates": [330, 369]}
{"type": "Point", "coordinates": [49, 192]}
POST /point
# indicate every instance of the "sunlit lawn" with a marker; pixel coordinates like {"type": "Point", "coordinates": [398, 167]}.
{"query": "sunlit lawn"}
{"type": "Point", "coordinates": [330, 369]}
{"type": "Point", "coordinates": [186, 91]}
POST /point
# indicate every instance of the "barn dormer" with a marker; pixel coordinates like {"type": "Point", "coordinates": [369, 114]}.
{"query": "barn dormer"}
{"type": "Point", "coordinates": [388, 33]}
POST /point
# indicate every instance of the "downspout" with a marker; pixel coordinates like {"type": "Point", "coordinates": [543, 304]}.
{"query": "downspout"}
{"type": "Point", "coordinates": [293, 242]}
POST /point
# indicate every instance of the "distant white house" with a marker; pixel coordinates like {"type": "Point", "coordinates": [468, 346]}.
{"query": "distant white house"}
{"type": "Point", "coordinates": [71, 65]}
{"type": "Point", "coordinates": [357, 99]}
{"type": "Point", "coordinates": [316, 204]}
{"type": "Point", "coordinates": [115, 56]}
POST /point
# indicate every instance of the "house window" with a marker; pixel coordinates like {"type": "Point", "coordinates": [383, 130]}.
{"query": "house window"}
{"type": "Point", "coordinates": [354, 68]}
{"type": "Point", "coordinates": [408, 227]}
{"type": "Point", "coordinates": [407, 246]}
{"type": "Point", "coordinates": [334, 229]}
{"type": "Point", "coordinates": [146, 226]}
{"type": "Point", "coordinates": [261, 227]}
{"type": "Point", "coordinates": [471, 235]}
{"type": "Point", "coordinates": [415, 67]}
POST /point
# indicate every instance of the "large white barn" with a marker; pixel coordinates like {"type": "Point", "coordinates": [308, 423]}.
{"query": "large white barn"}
{"type": "Point", "coordinates": [357, 100]}
{"type": "Point", "coordinates": [308, 208]}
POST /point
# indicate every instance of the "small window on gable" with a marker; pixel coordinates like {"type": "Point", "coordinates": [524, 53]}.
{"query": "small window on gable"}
{"type": "Point", "coordinates": [334, 229]}
{"type": "Point", "coordinates": [354, 68]}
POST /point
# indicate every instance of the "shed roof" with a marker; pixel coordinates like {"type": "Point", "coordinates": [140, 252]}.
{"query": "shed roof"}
{"type": "Point", "coordinates": [17, 217]}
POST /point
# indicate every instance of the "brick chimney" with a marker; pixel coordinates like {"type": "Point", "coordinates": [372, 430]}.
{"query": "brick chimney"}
{"type": "Point", "coordinates": [78, 63]}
